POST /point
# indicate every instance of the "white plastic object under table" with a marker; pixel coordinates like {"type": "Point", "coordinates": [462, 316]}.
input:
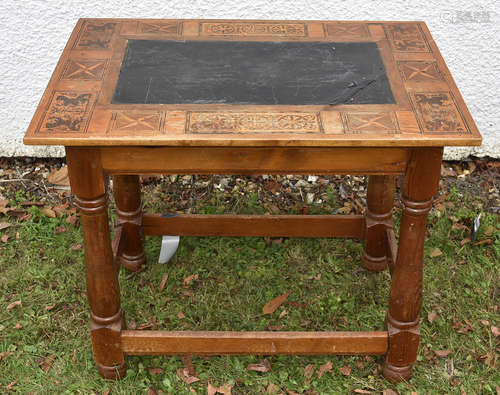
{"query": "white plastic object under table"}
{"type": "Point", "coordinates": [169, 245]}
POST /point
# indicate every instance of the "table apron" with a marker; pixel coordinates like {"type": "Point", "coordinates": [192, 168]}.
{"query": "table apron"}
{"type": "Point", "coordinates": [253, 160]}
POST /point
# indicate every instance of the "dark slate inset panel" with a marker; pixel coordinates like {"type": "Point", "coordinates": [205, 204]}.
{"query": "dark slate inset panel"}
{"type": "Point", "coordinates": [232, 72]}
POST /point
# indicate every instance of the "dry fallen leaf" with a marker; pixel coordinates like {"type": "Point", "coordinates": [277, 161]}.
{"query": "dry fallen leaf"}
{"type": "Point", "coordinates": [17, 326]}
{"type": "Point", "coordinates": [163, 282]}
{"type": "Point", "coordinates": [345, 370]}
{"type": "Point", "coordinates": [272, 389]}
{"type": "Point", "coordinates": [106, 391]}
{"type": "Point", "coordinates": [190, 278]}
{"type": "Point", "coordinates": [187, 361]}
{"type": "Point", "coordinates": [60, 229]}
{"type": "Point", "coordinates": [462, 328]}
{"type": "Point", "coordinates": [489, 230]}
{"type": "Point", "coordinates": [488, 359]}
{"type": "Point", "coordinates": [483, 242]}
{"type": "Point", "coordinates": [309, 371]}
{"type": "Point", "coordinates": [464, 241]}
{"type": "Point", "coordinates": [271, 306]}
{"type": "Point", "coordinates": [495, 330]}
{"type": "Point", "coordinates": [263, 366]}
{"type": "Point", "coordinates": [447, 172]}
{"type": "Point", "coordinates": [59, 176]}
{"type": "Point", "coordinates": [76, 247]}
{"type": "Point", "coordinates": [47, 362]}
{"type": "Point", "coordinates": [49, 212]}
{"type": "Point", "coordinates": [181, 315]}
{"type": "Point", "coordinates": [346, 209]}
{"type": "Point", "coordinates": [431, 316]}
{"type": "Point", "coordinates": [442, 353]}
{"type": "Point", "coordinates": [14, 304]}
{"type": "Point", "coordinates": [152, 391]}
{"type": "Point", "coordinates": [72, 220]}
{"type": "Point", "coordinates": [19, 214]}
{"type": "Point", "coordinates": [436, 252]}
{"type": "Point", "coordinates": [3, 207]}
{"type": "Point", "coordinates": [326, 367]}
{"type": "Point", "coordinates": [183, 374]}
{"type": "Point", "coordinates": [49, 307]}
{"type": "Point", "coordinates": [225, 390]}
{"type": "Point", "coordinates": [275, 328]}
{"type": "Point", "coordinates": [389, 392]}
{"type": "Point", "coordinates": [155, 371]}
{"type": "Point", "coordinates": [4, 225]}
{"type": "Point", "coordinates": [11, 385]}
{"type": "Point", "coordinates": [4, 238]}
{"type": "Point", "coordinates": [360, 391]}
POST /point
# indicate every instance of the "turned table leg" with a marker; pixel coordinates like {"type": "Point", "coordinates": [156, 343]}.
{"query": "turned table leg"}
{"type": "Point", "coordinates": [127, 192]}
{"type": "Point", "coordinates": [103, 291]}
{"type": "Point", "coordinates": [421, 184]}
{"type": "Point", "coordinates": [379, 202]}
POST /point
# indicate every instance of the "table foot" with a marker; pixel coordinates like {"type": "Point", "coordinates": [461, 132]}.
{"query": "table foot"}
{"type": "Point", "coordinates": [112, 372]}
{"type": "Point", "coordinates": [373, 264]}
{"type": "Point", "coordinates": [133, 263]}
{"type": "Point", "coordinates": [105, 334]}
{"type": "Point", "coordinates": [395, 374]}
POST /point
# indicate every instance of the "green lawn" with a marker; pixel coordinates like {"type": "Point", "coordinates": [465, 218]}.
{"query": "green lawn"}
{"type": "Point", "coordinates": [44, 341]}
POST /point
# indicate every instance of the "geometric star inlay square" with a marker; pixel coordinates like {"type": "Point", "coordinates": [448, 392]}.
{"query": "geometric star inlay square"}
{"type": "Point", "coordinates": [346, 30]}
{"type": "Point", "coordinates": [370, 122]}
{"type": "Point", "coordinates": [159, 27]}
{"type": "Point", "coordinates": [84, 69]}
{"type": "Point", "coordinates": [419, 71]}
{"type": "Point", "coordinates": [136, 122]}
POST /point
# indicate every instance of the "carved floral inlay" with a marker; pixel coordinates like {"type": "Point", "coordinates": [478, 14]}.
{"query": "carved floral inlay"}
{"type": "Point", "coordinates": [253, 29]}
{"type": "Point", "coordinates": [242, 122]}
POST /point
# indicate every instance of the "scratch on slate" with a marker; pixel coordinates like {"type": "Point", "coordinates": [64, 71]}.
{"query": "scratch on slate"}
{"type": "Point", "coordinates": [147, 92]}
{"type": "Point", "coordinates": [275, 99]}
{"type": "Point", "coordinates": [349, 93]}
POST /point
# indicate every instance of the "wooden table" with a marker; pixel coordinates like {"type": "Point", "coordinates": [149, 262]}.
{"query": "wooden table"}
{"type": "Point", "coordinates": [133, 97]}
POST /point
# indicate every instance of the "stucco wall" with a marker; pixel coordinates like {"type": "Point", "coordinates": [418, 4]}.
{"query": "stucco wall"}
{"type": "Point", "coordinates": [34, 33]}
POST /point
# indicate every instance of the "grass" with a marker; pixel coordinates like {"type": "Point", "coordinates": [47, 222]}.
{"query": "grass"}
{"type": "Point", "coordinates": [236, 276]}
